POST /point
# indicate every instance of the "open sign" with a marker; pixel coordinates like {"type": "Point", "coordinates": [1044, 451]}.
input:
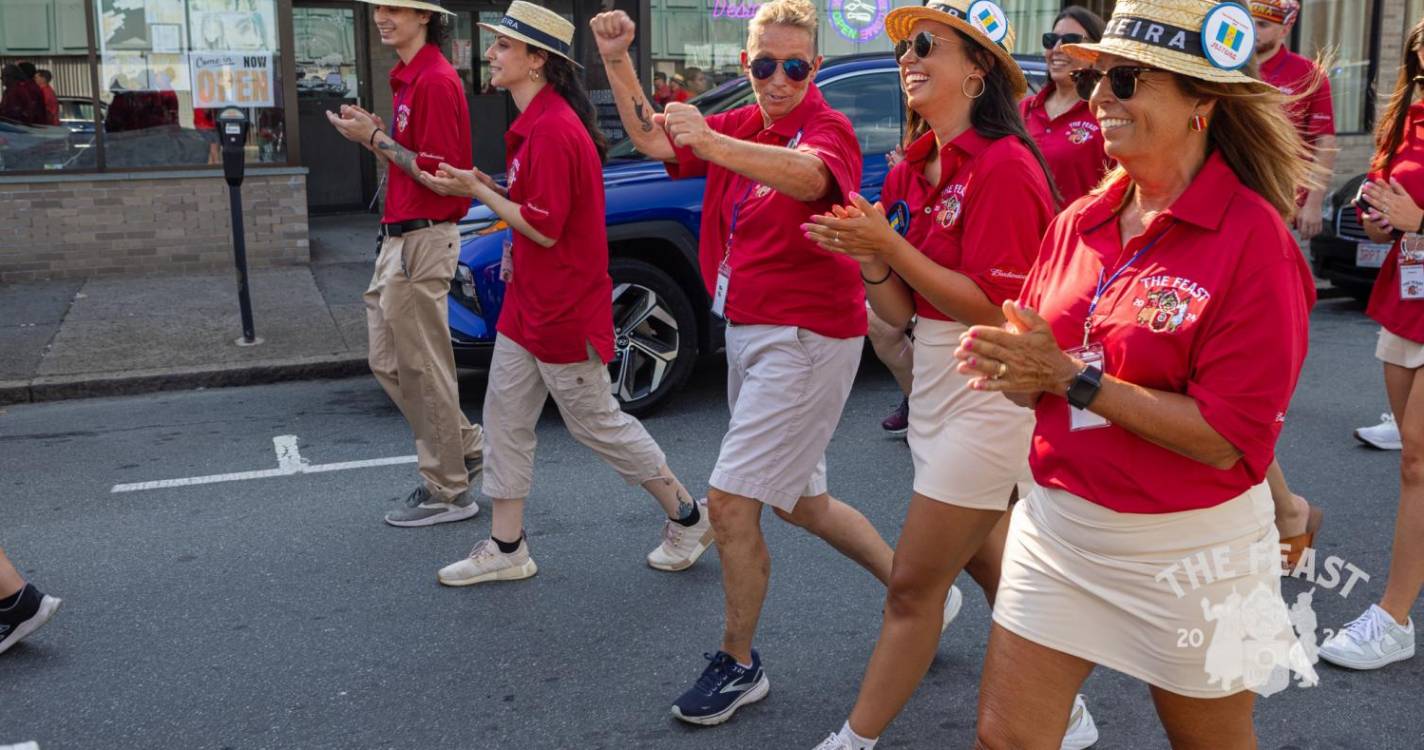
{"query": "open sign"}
{"type": "Point", "coordinates": [231, 79]}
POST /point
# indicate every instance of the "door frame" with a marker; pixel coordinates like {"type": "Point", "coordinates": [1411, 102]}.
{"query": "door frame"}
{"type": "Point", "coordinates": [362, 14]}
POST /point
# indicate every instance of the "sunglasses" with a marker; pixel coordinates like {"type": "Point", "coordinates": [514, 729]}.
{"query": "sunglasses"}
{"type": "Point", "coordinates": [1122, 79]}
{"type": "Point", "coordinates": [765, 67]}
{"type": "Point", "coordinates": [923, 43]}
{"type": "Point", "coordinates": [1051, 40]}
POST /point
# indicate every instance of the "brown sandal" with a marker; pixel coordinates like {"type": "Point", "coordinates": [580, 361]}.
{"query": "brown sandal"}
{"type": "Point", "coordinates": [1300, 542]}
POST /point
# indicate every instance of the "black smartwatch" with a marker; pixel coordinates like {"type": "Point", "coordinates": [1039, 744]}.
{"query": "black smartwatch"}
{"type": "Point", "coordinates": [1084, 387]}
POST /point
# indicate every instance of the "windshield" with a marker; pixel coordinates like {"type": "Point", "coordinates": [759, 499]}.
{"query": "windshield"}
{"type": "Point", "coordinates": [729, 95]}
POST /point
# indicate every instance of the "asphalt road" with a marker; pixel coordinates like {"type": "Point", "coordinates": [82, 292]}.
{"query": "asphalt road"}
{"type": "Point", "coordinates": [280, 612]}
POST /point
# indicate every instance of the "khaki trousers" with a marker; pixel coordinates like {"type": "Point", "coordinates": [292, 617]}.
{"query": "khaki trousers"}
{"type": "Point", "coordinates": [519, 384]}
{"type": "Point", "coordinates": [410, 355]}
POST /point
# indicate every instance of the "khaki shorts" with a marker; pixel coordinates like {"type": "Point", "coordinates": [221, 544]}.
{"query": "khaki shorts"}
{"type": "Point", "coordinates": [1399, 351]}
{"type": "Point", "coordinates": [970, 447]}
{"type": "Point", "coordinates": [1113, 588]}
{"type": "Point", "coordinates": [519, 384]}
{"type": "Point", "coordinates": [786, 387]}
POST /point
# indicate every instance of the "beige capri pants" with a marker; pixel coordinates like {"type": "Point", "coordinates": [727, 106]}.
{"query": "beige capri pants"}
{"type": "Point", "coordinates": [514, 398]}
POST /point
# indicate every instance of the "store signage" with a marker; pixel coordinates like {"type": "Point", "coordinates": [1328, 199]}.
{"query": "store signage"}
{"type": "Point", "coordinates": [859, 20]}
{"type": "Point", "coordinates": [743, 9]}
{"type": "Point", "coordinates": [231, 79]}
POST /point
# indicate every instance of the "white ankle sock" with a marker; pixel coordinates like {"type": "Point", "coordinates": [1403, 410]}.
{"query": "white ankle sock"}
{"type": "Point", "coordinates": [856, 741]}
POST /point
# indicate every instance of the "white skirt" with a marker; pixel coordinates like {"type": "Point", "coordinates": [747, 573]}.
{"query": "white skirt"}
{"type": "Point", "coordinates": [1399, 351]}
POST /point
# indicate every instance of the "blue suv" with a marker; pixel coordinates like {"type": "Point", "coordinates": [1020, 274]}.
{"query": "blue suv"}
{"type": "Point", "coordinates": [661, 311]}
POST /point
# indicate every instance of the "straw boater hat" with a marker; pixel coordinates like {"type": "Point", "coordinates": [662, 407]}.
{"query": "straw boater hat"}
{"type": "Point", "coordinates": [537, 27]}
{"type": "Point", "coordinates": [983, 20]}
{"type": "Point", "coordinates": [430, 5]}
{"type": "Point", "coordinates": [1200, 39]}
{"type": "Point", "coordinates": [1283, 12]}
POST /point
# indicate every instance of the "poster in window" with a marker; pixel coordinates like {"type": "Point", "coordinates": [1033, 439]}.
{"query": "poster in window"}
{"type": "Point", "coordinates": [232, 25]}
{"type": "Point", "coordinates": [123, 25]}
{"type": "Point", "coordinates": [124, 71]}
{"type": "Point", "coordinates": [167, 37]}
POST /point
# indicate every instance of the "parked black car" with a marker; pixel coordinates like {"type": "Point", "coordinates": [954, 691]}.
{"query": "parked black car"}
{"type": "Point", "coordinates": [1342, 253]}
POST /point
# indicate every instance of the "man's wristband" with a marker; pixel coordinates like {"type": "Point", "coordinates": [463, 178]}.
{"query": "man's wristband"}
{"type": "Point", "coordinates": [884, 279]}
{"type": "Point", "coordinates": [372, 142]}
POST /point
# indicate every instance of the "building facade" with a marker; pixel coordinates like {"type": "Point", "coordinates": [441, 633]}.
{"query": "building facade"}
{"type": "Point", "coordinates": [122, 175]}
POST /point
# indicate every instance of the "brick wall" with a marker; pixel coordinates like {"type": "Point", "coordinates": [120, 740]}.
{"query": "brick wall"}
{"type": "Point", "coordinates": [137, 224]}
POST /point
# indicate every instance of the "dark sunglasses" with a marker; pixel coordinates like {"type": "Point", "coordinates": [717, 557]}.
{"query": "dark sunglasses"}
{"type": "Point", "coordinates": [1051, 40]}
{"type": "Point", "coordinates": [923, 43]}
{"type": "Point", "coordinates": [1122, 79]}
{"type": "Point", "coordinates": [765, 67]}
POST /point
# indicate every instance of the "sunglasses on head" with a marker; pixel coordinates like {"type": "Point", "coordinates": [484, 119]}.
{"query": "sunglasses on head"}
{"type": "Point", "coordinates": [765, 67]}
{"type": "Point", "coordinates": [1051, 40]}
{"type": "Point", "coordinates": [1122, 79]}
{"type": "Point", "coordinates": [922, 43]}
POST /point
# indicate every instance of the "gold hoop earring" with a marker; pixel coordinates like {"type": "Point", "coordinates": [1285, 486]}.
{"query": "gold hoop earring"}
{"type": "Point", "coordinates": [534, 76]}
{"type": "Point", "coordinates": [983, 86]}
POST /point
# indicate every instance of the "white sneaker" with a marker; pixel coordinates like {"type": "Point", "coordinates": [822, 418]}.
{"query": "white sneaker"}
{"type": "Point", "coordinates": [1082, 731]}
{"type": "Point", "coordinates": [1384, 436]}
{"type": "Point", "coordinates": [487, 563]}
{"type": "Point", "coordinates": [952, 604]}
{"type": "Point", "coordinates": [1370, 641]}
{"type": "Point", "coordinates": [682, 545]}
{"type": "Point", "coordinates": [834, 742]}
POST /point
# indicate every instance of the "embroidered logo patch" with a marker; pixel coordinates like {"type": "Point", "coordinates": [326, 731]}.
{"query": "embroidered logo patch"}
{"type": "Point", "coordinates": [1167, 303]}
{"type": "Point", "coordinates": [762, 191]}
{"type": "Point", "coordinates": [1081, 132]}
{"type": "Point", "coordinates": [951, 205]}
{"type": "Point", "coordinates": [402, 118]}
{"type": "Point", "coordinates": [513, 173]}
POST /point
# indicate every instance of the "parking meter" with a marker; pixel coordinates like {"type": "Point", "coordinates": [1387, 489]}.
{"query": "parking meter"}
{"type": "Point", "coordinates": [232, 131]}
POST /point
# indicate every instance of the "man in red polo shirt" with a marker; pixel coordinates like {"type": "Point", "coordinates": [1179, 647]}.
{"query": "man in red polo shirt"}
{"type": "Point", "coordinates": [406, 315]}
{"type": "Point", "coordinates": [1313, 116]}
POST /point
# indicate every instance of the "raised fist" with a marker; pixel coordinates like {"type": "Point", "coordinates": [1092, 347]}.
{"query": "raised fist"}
{"type": "Point", "coordinates": [614, 32]}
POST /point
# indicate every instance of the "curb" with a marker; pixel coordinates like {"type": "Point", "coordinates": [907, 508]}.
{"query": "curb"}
{"type": "Point", "coordinates": [92, 385]}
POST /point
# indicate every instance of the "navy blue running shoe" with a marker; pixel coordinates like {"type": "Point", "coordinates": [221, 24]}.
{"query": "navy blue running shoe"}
{"type": "Point", "coordinates": [724, 687]}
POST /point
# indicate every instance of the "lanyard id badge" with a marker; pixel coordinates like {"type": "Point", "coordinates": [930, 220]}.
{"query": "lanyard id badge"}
{"type": "Point", "coordinates": [1081, 419]}
{"type": "Point", "coordinates": [506, 261]}
{"type": "Point", "coordinates": [1411, 267]}
{"type": "Point", "coordinates": [719, 299]}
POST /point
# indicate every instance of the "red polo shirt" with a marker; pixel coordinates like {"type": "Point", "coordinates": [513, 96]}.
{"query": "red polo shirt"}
{"type": "Point", "coordinates": [560, 298]}
{"type": "Point", "coordinates": [1313, 116]}
{"type": "Point", "coordinates": [1217, 309]}
{"type": "Point", "coordinates": [1398, 316]}
{"type": "Point", "coordinates": [431, 118]}
{"type": "Point", "coordinates": [1072, 144]}
{"type": "Point", "coordinates": [985, 217]}
{"type": "Point", "coordinates": [778, 276]}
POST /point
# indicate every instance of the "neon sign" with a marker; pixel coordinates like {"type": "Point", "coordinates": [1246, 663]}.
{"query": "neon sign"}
{"type": "Point", "coordinates": [859, 20]}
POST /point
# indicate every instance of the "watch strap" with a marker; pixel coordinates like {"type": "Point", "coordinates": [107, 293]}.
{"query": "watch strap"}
{"type": "Point", "coordinates": [1085, 387]}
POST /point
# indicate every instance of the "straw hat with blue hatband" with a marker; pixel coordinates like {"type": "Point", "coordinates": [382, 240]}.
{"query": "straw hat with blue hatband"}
{"type": "Point", "coordinates": [537, 27]}
{"type": "Point", "coordinates": [981, 20]}
{"type": "Point", "coordinates": [431, 5]}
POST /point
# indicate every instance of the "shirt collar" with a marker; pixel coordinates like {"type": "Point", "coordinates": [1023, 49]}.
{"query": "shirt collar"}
{"type": "Point", "coordinates": [542, 102]}
{"type": "Point", "coordinates": [1416, 113]}
{"type": "Point", "coordinates": [1204, 203]}
{"type": "Point", "coordinates": [407, 73]}
{"type": "Point", "coordinates": [964, 146]}
{"type": "Point", "coordinates": [788, 126]}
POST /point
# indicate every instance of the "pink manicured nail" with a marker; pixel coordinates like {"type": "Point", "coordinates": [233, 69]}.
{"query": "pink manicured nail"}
{"type": "Point", "coordinates": [969, 344]}
{"type": "Point", "coordinates": [973, 361]}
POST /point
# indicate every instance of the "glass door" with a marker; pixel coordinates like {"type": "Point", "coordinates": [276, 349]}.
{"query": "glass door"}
{"type": "Point", "coordinates": [330, 70]}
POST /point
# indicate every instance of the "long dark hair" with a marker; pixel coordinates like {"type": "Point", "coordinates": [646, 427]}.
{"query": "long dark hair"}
{"type": "Point", "coordinates": [1391, 128]}
{"type": "Point", "coordinates": [436, 31]}
{"type": "Point", "coordinates": [1090, 21]}
{"type": "Point", "coordinates": [565, 80]}
{"type": "Point", "coordinates": [995, 114]}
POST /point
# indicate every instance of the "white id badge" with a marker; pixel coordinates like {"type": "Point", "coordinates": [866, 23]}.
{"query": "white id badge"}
{"type": "Point", "coordinates": [1411, 281]}
{"type": "Point", "coordinates": [506, 262]}
{"type": "Point", "coordinates": [719, 298]}
{"type": "Point", "coordinates": [1082, 419]}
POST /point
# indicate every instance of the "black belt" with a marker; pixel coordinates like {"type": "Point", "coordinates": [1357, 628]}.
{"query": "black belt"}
{"type": "Point", "coordinates": [398, 228]}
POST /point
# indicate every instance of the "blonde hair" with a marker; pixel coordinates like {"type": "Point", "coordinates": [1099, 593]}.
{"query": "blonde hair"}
{"type": "Point", "coordinates": [799, 14]}
{"type": "Point", "coordinates": [1252, 129]}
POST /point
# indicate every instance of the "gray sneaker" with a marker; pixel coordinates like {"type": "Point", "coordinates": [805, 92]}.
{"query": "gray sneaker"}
{"type": "Point", "coordinates": [422, 509]}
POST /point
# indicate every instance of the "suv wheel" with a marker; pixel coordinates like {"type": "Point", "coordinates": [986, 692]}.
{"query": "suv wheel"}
{"type": "Point", "coordinates": [654, 335]}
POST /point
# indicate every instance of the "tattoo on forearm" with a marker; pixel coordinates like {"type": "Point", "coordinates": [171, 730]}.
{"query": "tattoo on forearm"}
{"type": "Point", "coordinates": [640, 108]}
{"type": "Point", "coordinates": [400, 155]}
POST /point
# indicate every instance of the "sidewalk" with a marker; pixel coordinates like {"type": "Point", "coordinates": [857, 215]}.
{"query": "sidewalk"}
{"type": "Point", "coordinates": [112, 336]}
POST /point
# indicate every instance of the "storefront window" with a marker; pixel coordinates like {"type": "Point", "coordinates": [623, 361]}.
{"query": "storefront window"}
{"type": "Point", "coordinates": [46, 92]}
{"type": "Point", "coordinates": [1342, 26]}
{"type": "Point", "coordinates": [1030, 20]}
{"type": "Point", "coordinates": [167, 67]}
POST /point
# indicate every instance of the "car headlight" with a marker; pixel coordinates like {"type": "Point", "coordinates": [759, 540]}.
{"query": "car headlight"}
{"type": "Point", "coordinates": [482, 228]}
{"type": "Point", "coordinates": [462, 288]}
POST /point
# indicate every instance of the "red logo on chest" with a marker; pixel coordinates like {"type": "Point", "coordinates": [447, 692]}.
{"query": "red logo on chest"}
{"type": "Point", "coordinates": [1166, 304]}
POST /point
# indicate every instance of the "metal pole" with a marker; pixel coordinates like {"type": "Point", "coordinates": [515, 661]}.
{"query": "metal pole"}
{"type": "Point", "coordinates": [239, 255]}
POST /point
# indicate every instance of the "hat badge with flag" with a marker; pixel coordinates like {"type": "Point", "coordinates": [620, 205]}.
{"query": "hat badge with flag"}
{"type": "Point", "coordinates": [1202, 39]}
{"type": "Point", "coordinates": [984, 21]}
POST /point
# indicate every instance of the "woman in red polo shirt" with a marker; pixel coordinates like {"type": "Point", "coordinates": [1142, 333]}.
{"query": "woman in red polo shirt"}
{"type": "Point", "coordinates": [1159, 338]}
{"type": "Point", "coordinates": [1060, 121]}
{"type": "Point", "coordinates": [1391, 212]}
{"type": "Point", "coordinates": [556, 323]}
{"type": "Point", "coordinates": [958, 227]}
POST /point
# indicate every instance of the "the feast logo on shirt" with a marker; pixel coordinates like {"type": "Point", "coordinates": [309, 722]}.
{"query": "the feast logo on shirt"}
{"type": "Point", "coordinates": [762, 191]}
{"type": "Point", "coordinates": [950, 206]}
{"type": "Point", "coordinates": [402, 118]}
{"type": "Point", "coordinates": [1081, 131]}
{"type": "Point", "coordinates": [513, 174]}
{"type": "Point", "coordinates": [1167, 303]}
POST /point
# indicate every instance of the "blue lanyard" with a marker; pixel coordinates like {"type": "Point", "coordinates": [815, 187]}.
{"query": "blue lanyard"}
{"type": "Point", "coordinates": [1103, 284]}
{"type": "Point", "coordinates": [737, 212]}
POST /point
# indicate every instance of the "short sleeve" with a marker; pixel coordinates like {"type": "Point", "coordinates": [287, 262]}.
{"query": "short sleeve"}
{"type": "Point", "coordinates": [1009, 208]}
{"type": "Point", "coordinates": [688, 164]}
{"type": "Point", "coordinates": [1249, 357]}
{"type": "Point", "coordinates": [1320, 112]}
{"type": "Point", "coordinates": [831, 139]}
{"type": "Point", "coordinates": [546, 197]}
{"type": "Point", "coordinates": [438, 134]}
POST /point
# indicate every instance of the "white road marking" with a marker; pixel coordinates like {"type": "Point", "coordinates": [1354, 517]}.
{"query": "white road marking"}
{"type": "Point", "coordinates": [22, 746]}
{"type": "Point", "coordinates": [289, 463]}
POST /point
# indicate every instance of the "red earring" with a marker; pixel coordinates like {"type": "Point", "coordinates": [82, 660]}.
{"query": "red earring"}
{"type": "Point", "coordinates": [1198, 123]}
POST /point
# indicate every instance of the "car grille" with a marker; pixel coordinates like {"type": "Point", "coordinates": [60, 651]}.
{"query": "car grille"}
{"type": "Point", "coordinates": [1347, 224]}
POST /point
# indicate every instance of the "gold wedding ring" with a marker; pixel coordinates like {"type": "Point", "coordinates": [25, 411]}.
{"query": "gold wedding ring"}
{"type": "Point", "coordinates": [1003, 368]}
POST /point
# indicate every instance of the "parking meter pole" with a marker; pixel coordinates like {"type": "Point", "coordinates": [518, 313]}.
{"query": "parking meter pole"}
{"type": "Point", "coordinates": [232, 129]}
